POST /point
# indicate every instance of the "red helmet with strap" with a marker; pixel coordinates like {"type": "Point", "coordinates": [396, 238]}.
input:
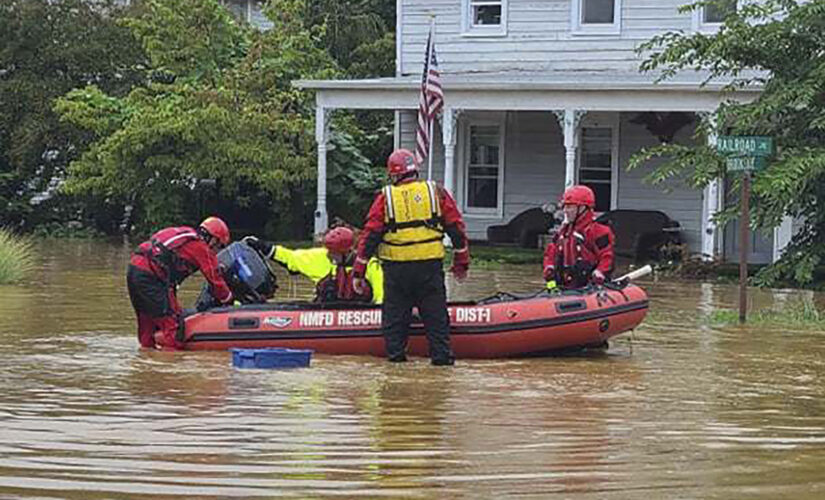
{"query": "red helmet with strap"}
{"type": "Point", "coordinates": [339, 240]}
{"type": "Point", "coordinates": [401, 162]}
{"type": "Point", "coordinates": [579, 195]}
{"type": "Point", "coordinates": [216, 228]}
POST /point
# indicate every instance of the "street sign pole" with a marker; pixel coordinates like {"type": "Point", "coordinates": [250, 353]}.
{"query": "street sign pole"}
{"type": "Point", "coordinates": [744, 236]}
{"type": "Point", "coordinates": [744, 154]}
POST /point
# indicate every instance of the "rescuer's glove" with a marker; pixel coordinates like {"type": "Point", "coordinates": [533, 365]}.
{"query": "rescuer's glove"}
{"type": "Point", "coordinates": [359, 269]}
{"type": "Point", "coordinates": [461, 263]}
{"type": "Point", "coordinates": [263, 247]}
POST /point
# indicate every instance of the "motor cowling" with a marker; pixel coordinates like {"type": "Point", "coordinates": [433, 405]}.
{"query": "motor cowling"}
{"type": "Point", "coordinates": [246, 273]}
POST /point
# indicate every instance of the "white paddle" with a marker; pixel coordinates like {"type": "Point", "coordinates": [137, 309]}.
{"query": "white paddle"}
{"type": "Point", "coordinates": [635, 274]}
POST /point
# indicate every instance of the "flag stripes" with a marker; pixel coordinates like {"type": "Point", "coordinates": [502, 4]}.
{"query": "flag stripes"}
{"type": "Point", "coordinates": [430, 101]}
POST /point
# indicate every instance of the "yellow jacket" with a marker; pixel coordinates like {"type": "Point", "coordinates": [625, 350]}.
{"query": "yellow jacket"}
{"type": "Point", "coordinates": [314, 263]}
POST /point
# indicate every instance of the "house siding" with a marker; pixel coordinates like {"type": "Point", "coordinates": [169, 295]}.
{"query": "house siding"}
{"type": "Point", "coordinates": [680, 202]}
{"type": "Point", "coordinates": [408, 131]}
{"type": "Point", "coordinates": [538, 37]}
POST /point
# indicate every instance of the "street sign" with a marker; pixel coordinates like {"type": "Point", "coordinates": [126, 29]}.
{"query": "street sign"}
{"type": "Point", "coordinates": [753, 145]}
{"type": "Point", "coordinates": [745, 163]}
{"type": "Point", "coordinates": [745, 153]}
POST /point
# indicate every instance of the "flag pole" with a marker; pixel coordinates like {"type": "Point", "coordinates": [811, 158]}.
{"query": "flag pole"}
{"type": "Point", "coordinates": [430, 152]}
{"type": "Point", "coordinates": [432, 118]}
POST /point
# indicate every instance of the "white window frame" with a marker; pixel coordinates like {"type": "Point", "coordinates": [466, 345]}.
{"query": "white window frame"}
{"type": "Point", "coordinates": [578, 27]}
{"type": "Point", "coordinates": [470, 30]}
{"type": "Point", "coordinates": [476, 212]}
{"type": "Point", "coordinates": [700, 26]}
{"type": "Point", "coordinates": [611, 121]}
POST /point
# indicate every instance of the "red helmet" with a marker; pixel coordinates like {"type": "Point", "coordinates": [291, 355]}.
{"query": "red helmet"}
{"type": "Point", "coordinates": [217, 229]}
{"type": "Point", "coordinates": [579, 195]}
{"type": "Point", "coordinates": [339, 240]}
{"type": "Point", "coordinates": [401, 162]}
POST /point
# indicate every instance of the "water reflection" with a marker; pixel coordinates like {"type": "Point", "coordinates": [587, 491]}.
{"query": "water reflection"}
{"type": "Point", "coordinates": [684, 410]}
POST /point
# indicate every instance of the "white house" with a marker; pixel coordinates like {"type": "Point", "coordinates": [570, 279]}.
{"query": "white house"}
{"type": "Point", "coordinates": [250, 11]}
{"type": "Point", "coordinates": [541, 94]}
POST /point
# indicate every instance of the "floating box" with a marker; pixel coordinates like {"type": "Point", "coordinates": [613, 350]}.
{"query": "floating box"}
{"type": "Point", "coordinates": [271, 358]}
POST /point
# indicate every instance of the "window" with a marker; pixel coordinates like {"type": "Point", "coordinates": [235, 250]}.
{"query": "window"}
{"type": "Point", "coordinates": [485, 17]}
{"type": "Point", "coordinates": [484, 169]}
{"type": "Point", "coordinates": [596, 16]}
{"type": "Point", "coordinates": [596, 164]}
{"type": "Point", "coordinates": [597, 12]}
{"type": "Point", "coordinates": [716, 13]}
{"type": "Point", "coordinates": [709, 17]}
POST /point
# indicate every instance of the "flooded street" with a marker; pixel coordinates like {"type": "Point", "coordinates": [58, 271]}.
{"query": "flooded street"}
{"type": "Point", "coordinates": [678, 409]}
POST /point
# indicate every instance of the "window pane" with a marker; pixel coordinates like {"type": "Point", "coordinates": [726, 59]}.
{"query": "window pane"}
{"type": "Point", "coordinates": [483, 168]}
{"type": "Point", "coordinates": [484, 143]}
{"type": "Point", "coordinates": [594, 175]}
{"type": "Point", "coordinates": [486, 15]}
{"type": "Point", "coordinates": [716, 13]}
{"type": "Point", "coordinates": [596, 164]}
{"type": "Point", "coordinates": [491, 172]}
{"type": "Point", "coordinates": [602, 192]}
{"type": "Point", "coordinates": [597, 11]}
{"type": "Point", "coordinates": [482, 193]}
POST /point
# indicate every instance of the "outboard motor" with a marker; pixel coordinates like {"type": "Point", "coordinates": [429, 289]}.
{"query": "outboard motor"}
{"type": "Point", "coordinates": [246, 273]}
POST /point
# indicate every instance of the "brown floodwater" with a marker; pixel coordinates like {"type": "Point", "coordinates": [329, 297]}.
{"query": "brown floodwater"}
{"type": "Point", "coordinates": [678, 409]}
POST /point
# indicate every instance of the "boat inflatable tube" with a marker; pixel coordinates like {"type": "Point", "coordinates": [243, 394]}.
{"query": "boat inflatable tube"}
{"type": "Point", "coordinates": [504, 325]}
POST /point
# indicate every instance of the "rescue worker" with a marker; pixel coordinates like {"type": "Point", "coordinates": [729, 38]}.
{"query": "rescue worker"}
{"type": "Point", "coordinates": [405, 226]}
{"type": "Point", "coordinates": [330, 267]}
{"type": "Point", "coordinates": [160, 264]}
{"type": "Point", "coordinates": [581, 252]}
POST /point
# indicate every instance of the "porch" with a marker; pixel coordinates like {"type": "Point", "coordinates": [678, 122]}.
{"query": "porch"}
{"type": "Point", "coordinates": [509, 143]}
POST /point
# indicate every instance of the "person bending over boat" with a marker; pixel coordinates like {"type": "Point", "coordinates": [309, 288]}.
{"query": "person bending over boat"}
{"type": "Point", "coordinates": [329, 267]}
{"type": "Point", "coordinates": [405, 226]}
{"type": "Point", "coordinates": [159, 265]}
{"type": "Point", "coordinates": [581, 252]}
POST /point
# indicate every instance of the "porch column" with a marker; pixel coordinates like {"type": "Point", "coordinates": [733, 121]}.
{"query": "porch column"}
{"type": "Point", "coordinates": [569, 120]}
{"type": "Point", "coordinates": [782, 236]}
{"type": "Point", "coordinates": [449, 132]}
{"type": "Point", "coordinates": [322, 115]}
{"type": "Point", "coordinates": [711, 204]}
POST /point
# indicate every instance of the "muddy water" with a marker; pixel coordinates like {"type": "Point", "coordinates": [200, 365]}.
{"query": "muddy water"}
{"type": "Point", "coordinates": [679, 410]}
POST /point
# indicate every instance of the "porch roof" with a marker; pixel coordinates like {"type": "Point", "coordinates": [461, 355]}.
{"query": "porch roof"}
{"type": "Point", "coordinates": [603, 91]}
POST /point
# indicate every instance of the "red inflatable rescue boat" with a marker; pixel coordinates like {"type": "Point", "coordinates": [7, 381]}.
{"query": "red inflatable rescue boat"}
{"type": "Point", "coordinates": [504, 325]}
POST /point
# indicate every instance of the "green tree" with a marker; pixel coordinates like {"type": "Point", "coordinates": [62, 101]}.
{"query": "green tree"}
{"type": "Point", "coordinates": [360, 36]}
{"type": "Point", "coordinates": [46, 49]}
{"type": "Point", "coordinates": [221, 107]}
{"type": "Point", "coordinates": [780, 45]}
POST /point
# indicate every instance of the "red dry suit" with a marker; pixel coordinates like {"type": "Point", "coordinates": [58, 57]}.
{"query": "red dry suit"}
{"type": "Point", "coordinates": [577, 250]}
{"type": "Point", "coordinates": [156, 268]}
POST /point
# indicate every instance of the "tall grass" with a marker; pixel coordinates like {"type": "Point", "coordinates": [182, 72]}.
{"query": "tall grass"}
{"type": "Point", "coordinates": [16, 257]}
{"type": "Point", "coordinates": [797, 314]}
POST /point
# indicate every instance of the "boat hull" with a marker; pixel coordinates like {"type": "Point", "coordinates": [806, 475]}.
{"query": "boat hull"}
{"type": "Point", "coordinates": [485, 329]}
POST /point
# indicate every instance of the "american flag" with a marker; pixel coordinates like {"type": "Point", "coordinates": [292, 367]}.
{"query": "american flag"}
{"type": "Point", "coordinates": [430, 102]}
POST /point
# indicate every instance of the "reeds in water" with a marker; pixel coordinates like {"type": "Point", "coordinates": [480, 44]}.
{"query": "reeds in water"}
{"type": "Point", "coordinates": [16, 257]}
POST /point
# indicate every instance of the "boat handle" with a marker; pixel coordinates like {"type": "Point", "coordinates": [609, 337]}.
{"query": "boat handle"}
{"type": "Point", "coordinates": [237, 323]}
{"type": "Point", "coordinates": [570, 305]}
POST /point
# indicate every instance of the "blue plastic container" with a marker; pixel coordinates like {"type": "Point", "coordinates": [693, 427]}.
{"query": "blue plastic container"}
{"type": "Point", "coordinates": [271, 358]}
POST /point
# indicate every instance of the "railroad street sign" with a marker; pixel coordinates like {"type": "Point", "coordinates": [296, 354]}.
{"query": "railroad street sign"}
{"type": "Point", "coordinates": [753, 145]}
{"type": "Point", "coordinates": [745, 163]}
